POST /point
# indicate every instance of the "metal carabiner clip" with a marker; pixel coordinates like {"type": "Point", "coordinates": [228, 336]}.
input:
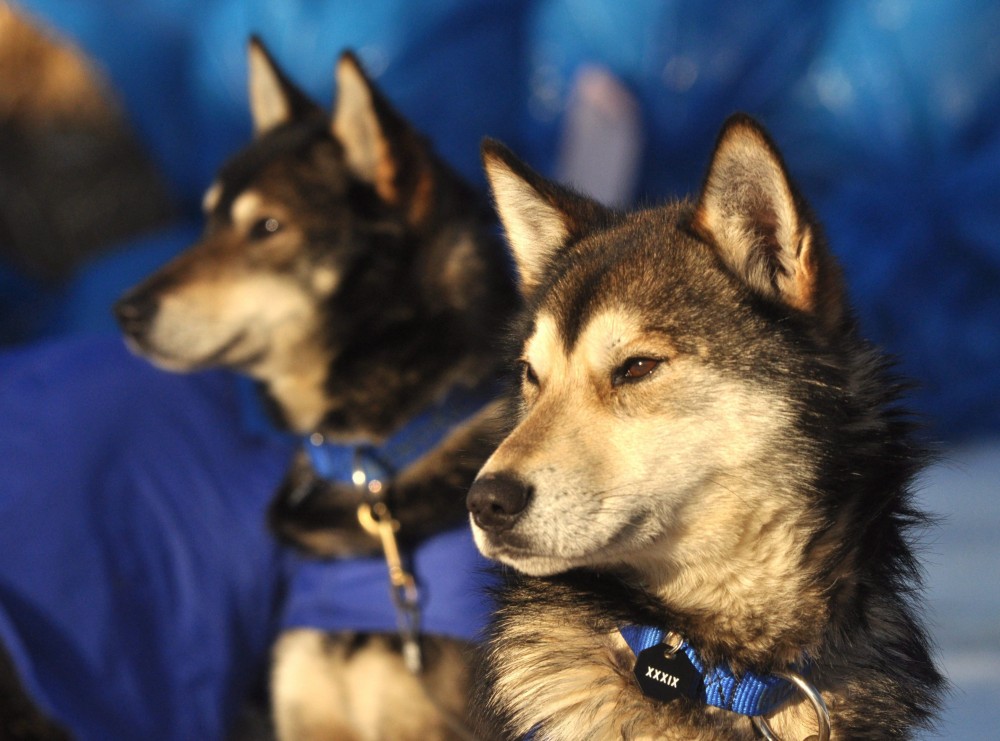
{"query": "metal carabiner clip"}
{"type": "Point", "coordinates": [376, 519]}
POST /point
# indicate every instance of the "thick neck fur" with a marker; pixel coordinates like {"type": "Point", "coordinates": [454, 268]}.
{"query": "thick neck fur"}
{"type": "Point", "coordinates": [818, 568]}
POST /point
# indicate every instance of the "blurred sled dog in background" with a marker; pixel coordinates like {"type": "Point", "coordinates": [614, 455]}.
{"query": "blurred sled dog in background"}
{"type": "Point", "coordinates": [353, 275]}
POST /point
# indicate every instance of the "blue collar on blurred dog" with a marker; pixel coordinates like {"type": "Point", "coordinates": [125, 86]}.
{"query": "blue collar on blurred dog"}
{"type": "Point", "coordinates": [336, 462]}
{"type": "Point", "coordinates": [350, 593]}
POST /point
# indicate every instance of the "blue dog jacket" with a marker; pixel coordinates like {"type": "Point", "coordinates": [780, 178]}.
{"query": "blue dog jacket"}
{"type": "Point", "coordinates": [139, 589]}
{"type": "Point", "coordinates": [354, 595]}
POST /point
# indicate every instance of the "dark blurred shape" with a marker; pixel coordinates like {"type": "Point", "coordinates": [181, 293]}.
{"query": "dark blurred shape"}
{"type": "Point", "coordinates": [73, 178]}
{"type": "Point", "coordinates": [20, 720]}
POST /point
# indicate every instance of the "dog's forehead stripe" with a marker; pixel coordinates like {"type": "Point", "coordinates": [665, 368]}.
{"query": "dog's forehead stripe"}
{"type": "Point", "coordinates": [581, 289]}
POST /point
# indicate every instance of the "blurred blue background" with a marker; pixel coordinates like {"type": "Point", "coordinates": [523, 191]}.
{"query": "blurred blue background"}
{"type": "Point", "coordinates": [887, 112]}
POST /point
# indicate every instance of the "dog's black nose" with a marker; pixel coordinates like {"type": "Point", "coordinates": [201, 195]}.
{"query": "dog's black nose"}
{"type": "Point", "coordinates": [135, 310]}
{"type": "Point", "coordinates": [497, 501]}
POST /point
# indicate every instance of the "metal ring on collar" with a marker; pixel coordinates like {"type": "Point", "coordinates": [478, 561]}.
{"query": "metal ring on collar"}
{"type": "Point", "coordinates": [673, 641]}
{"type": "Point", "coordinates": [822, 714]}
{"type": "Point", "coordinates": [370, 488]}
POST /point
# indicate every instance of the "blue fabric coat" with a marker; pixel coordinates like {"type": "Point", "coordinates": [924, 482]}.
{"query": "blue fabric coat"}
{"type": "Point", "coordinates": [139, 589]}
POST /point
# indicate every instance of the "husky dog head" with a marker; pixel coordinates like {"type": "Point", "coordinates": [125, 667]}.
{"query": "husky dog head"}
{"type": "Point", "coordinates": [329, 241]}
{"type": "Point", "coordinates": [666, 358]}
{"type": "Point", "coordinates": [703, 439]}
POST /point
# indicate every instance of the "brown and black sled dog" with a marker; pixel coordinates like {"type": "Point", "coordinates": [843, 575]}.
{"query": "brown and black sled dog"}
{"type": "Point", "coordinates": [707, 488]}
{"type": "Point", "coordinates": [356, 278]}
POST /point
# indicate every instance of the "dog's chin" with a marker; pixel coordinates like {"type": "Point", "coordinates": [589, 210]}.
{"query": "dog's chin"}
{"type": "Point", "coordinates": [227, 354]}
{"type": "Point", "coordinates": [523, 558]}
{"type": "Point", "coordinates": [143, 348]}
{"type": "Point", "coordinates": [536, 565]}
{"type": "Point", "coordinates": [162, 359]}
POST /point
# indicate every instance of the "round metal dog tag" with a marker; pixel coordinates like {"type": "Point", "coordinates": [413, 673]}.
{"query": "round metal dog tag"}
{"type": "Point", "coordinates": [666, 674]}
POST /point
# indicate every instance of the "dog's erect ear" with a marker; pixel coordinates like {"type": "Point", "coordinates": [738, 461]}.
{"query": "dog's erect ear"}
{"type": "Point", "coordinates": [376, 140]}
{"type": "Point", "coordinates": [274, 100]}
{"type": "Point", "coordinates": [539, 216]}
{"type": "Point", "coordinates": [749, 210]}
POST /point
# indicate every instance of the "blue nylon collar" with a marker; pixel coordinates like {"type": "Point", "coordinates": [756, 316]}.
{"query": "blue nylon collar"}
{"type": "Point", "coordinates": [747, 694]}
{"type": "Point", "coordinates": [335, 461]}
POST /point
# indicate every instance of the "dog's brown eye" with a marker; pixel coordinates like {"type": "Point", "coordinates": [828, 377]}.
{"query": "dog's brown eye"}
{"type": "Point", "coordinates": [265, 228]}
{"type": "Point", "coordinates": [528, 373]}
{"type": "Point", "coordinates": [634, 369]}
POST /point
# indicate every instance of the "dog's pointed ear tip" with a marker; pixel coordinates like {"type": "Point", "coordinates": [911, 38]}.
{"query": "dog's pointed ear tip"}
{"type": "Point", "coordinates": [496, 155]}
{"type": "Point", "coordinates": [349, 64]}
{"type": "Point", "coordinates": [255, 47]}
{"type": "Point", "coordinates": [741, 119]}
{"type": "Point", "coordinates": [489, 149]}
{"type": "Point", "coordinates": [742, 127]}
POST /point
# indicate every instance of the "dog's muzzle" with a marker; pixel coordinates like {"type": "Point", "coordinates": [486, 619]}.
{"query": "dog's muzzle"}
{"type": "Point", "coordinates": [135, 312]}
{"type": "Point", "coordinates": [496, 502]}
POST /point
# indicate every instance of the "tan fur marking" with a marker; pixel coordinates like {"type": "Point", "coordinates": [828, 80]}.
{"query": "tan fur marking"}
{"type": "Point", "coordinates": [300, 391]}
{"type": "Point", "coordinates": [801, 286]}
{"type": "Point", "coordinates": [385, 176]}
{"type": "Point", "coordinates": [462, 265]}
{"type": "Point", "coordinates": [325, 280]}
{"type": "Point", "coordinates": [247, 208]}
{"type": "Point", "coordinates": [544, 348]}
{"type": "Point", "coordinates": [423, 197]}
